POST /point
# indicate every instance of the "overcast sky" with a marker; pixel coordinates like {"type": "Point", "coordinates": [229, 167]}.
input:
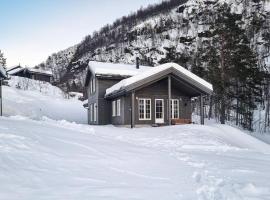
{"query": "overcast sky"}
{"type": "Point", "coordinates": [31, 30]}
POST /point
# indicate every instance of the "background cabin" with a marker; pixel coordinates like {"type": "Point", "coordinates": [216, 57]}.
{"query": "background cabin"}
{"type": "Point", "coordinates": [31, 73]}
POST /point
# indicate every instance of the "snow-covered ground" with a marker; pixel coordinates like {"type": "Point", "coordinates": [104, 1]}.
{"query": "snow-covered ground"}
{"type": "Point", "coordinates": [61, 160]}
{"type": "Point", "coordinates": [41, 158]}
{"type": "Point", "coordinates": [36, 99]}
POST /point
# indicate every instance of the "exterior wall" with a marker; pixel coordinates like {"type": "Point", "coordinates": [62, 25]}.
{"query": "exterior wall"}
{"type": "Point", "coordinates": [41, 77]}
{"type": "Point", "coordinates": [158, 90]}
{"type": "Point", "coordinates": [104, 107]}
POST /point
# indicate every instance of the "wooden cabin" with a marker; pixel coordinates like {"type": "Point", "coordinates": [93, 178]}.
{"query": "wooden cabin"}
{"type": "Point", "coordinates": [31, 73]}
{"type": "Point", "coordinates": [141, 95]}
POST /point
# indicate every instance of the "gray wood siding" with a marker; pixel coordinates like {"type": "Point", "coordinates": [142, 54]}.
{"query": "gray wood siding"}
{"type": "Point", "coordinates": [158, 90]}
{"type": "Point", "coordinates": [104, 106]}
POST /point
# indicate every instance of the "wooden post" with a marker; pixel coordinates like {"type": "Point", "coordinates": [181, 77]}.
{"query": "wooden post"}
{"type": "Point", "coordinates": [169, 99]}
{"type": "Point", "coordinates": [201, 110]}
{"type": "Point", "coordinates": [132, 109]}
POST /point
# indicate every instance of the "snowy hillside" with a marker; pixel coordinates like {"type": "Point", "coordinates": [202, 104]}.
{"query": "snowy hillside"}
{"type": "Point", "coordinates": [60, 160]}
{"type": "Point", "coordinates": [35, 99]}
{"type": "Point", "coordinates": [176, 32]}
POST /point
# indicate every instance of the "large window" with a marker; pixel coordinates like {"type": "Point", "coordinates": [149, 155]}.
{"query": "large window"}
{"type": "Point", "coordinates": [118, 107]}
{"type": "Point", "coordinates": [144, 109]}
{"type": "Point", "coordinates": [174, 108]}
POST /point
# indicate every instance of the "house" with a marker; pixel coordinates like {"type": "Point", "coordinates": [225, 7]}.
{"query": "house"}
{"type": "Point", "coordinates": [32, 73]}
{"type": "Point", "coordinates": [139, 95]}
{"type": "Point", "coordinates": [3, 75]}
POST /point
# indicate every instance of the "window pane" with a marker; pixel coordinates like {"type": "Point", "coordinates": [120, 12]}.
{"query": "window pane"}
{"type": "Point", "coordinates": [148, 109]}
{"type": "Point", "coordinates": [141, 108]}
{"type": "Point", "coordinates": [118, 107]}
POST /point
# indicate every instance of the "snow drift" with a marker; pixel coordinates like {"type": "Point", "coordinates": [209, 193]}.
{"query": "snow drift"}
{"type": "Point", "coordinates": [36, 99]}
{"type": "Point", "coordinates": [62, 160]}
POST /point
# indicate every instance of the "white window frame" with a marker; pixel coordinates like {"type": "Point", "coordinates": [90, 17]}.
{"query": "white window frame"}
{"type": "Point", "coordinates": [144, 105]}
{"type": "Point", "coordinates": [118, 107]}
{"type": "Point", "coordinates": [172, 108]}
{"type": "Point", "coordinates": [95, 112]}
{"type": "Point", "coordinates": [113, 108]}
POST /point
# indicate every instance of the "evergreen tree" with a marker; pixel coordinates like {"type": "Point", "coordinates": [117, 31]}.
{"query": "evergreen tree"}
{"type": "Point", "coordinates": [2, 59]}
{"type": "Point", "coordinates": [232, 67]}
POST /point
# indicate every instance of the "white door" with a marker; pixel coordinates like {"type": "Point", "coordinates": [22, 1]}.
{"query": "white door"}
{"type": "Point", "coordinates": [159, 111]}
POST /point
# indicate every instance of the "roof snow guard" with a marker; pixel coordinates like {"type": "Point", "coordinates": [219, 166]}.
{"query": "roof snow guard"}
{"type": "Point", "coordinates": [102, 69]}
{"type": "Point", "coordinates": [155, 73]}
{"type": "Point", "coordinates": [3, 73]}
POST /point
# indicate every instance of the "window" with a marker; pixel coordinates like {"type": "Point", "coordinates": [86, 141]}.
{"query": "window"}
{"type": "Point", "coordinates": [118, 107]}
{"type": "Point", "coordinates": [92, 85]}
{"type": "Point", "coordinates": [95, 112]}
{"type": "Point", "coordinates": [91, 112]}
{"type": "Point", "coordinates": [144, 109]}
{"type": "Point", "coordinates": [113, 108]}
{"type": "Point", "coordinates": [174, 108]}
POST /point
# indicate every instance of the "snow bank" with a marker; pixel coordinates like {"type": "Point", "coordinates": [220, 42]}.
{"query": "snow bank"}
{"type": "Point", "coordinates": [54, 160]}
{"type": "Point", "coordinates": [35, 99]}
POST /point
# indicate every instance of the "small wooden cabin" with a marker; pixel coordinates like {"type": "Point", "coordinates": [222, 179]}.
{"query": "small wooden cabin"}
{"type": "Point", "coordinates": [140, 95]}
{"type": "Point", "coordinates": [31, 73]}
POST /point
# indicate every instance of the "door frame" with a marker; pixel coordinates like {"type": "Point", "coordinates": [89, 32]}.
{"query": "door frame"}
{"type": "Point", "coordinates": [162, 120]}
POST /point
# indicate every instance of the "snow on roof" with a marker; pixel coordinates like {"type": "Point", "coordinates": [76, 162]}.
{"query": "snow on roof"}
{"type": "Point", "coordinates": [17, 69]}
{"type": "Point", "coordinates": [113, 69]}
{"type": "Point", "coordinates": [152, 71]}
{"type": "Point", "coordinates": [41, 71]}
{"type": "Point", "coordinates": [3, 71]}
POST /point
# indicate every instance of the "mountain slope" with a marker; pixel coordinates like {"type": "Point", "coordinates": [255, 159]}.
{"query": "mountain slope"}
{"type": "Point", "coordinates": [173, 31]}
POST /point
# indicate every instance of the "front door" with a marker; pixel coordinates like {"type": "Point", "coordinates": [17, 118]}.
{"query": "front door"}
{"type": "Point", "coordinates": [159, 111]}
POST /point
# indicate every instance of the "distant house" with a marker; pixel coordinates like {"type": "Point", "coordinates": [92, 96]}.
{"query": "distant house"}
{"type": "Point", "coordinates": [32, 73]}
{"type": "Point", "coordinates": [138, 95]}
{"type": "Point", "coordinates": [3, 75]}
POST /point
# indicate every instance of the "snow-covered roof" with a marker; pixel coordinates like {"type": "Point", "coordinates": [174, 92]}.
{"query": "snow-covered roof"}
{"type": "Point", "coordinates": [113, 69]}
{"type": "Point", "coordinates": [185, 74]}
{"type": "Point", "coordinates": [17, 69]}
{"type": "Point", "coordinates": [3, 72]}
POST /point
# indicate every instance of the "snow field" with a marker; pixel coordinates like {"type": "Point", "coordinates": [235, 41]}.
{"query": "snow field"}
{"type": "Point", "coordinates": [50, 159]}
